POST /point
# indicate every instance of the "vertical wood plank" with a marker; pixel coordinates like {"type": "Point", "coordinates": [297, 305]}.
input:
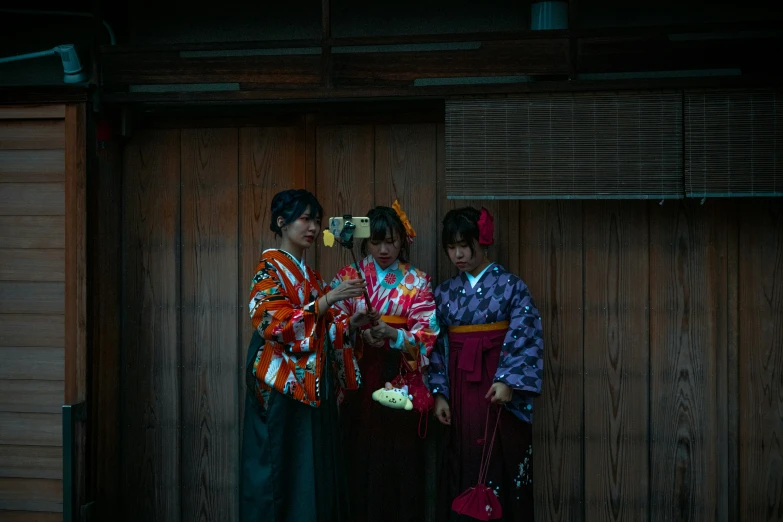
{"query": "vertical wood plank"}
{"type": "Point", "coordinates": [150, 391]}
{"type": "Point", "coordinates": [406, 168]}
{"type": "Point", "coordinates": [687, 344]}
{"type": "Point", "coordinates": [616, 361]}
{"type": "Point", "coordinates": [266, 155]}
{"type": "Point", "coordinates": [551, 252]}
{"type": "Point", "coordinates": [75, 253]}
{"type": "Point", "coordinates": [209, 319]}
{"type": "Point", "coordinates": [76, 287]}
{"type": "Point", "coordinates": [106, 318]}
{"type": "Point", "coordinates": [761, 365]}
{"type": "Point", "coordinates": [344, 162]}
{"type": "Point", "coordinates": [732, 364]}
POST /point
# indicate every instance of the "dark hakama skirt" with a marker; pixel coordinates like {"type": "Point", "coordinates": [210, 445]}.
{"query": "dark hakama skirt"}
{"type": "Point", "coordinates": [291, 457]}
{"type": "Point", "coordinates": [473, 361]}
{"type": "Point", "coordinates": [387, 457]}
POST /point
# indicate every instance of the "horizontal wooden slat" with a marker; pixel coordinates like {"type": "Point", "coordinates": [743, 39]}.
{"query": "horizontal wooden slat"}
{"type": "Point", "coordinates": [596, 145]}
{"type": "Point", "coordinates": [169, 68]}
{"type": "Point", "coordinates": [607, 54]}
{"type": "Point", "coordinates": [31, 462]}
{"type": "Point", "coordinates": [32, 396]}
{"type": "Point", "coordinates": [32, 165]}
{"type": "Point", "coordinates": [32, 330]}
{"type": "Point", "coordinates": [30, 362]}
{"type": "Point", "coordinates": [32, 199]}
{"type": "Point", "coordinates": [30, 516]}
{"type": "Point", "coordinates": [503, 58]}
{"type": "Point", "coordinates": [734, 143]}
{"type": "Point", "coordinates": [32, 264]}
{"type": "Point", "coordinates": [31, 429]}
{"type": "Point", "coordinates": [32, 232]}
{"type": "Point", "coordinates": [32, 135]}
{"type": "Point", "coordinates": [22, 297]}
{"type": "Point", "coordinates": [31, 494]}
{"type": "Point", "coordinates": [30, 112]}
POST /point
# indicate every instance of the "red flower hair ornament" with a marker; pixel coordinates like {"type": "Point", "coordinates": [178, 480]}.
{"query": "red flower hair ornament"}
{"type": "Point", "coordinates": [486, 226]}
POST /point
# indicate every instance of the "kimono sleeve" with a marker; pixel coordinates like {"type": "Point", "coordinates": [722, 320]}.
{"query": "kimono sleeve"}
{"type": "Point", "coordinates": [438, 374]}
{"type": "Point", "coordinates": [423, 328]}
{"type": "Point", "coordinates": [342, 310]}
{"type": "Point", "coordinates": [275, 316]}
{"type": "Point", "coordinates": [521, 358]}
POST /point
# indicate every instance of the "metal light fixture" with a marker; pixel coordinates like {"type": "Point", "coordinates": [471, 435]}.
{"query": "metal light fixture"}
{"type": "Point", "coordinates": [72, 67]}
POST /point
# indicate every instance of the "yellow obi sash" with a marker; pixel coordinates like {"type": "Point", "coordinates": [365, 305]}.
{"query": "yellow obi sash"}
{"type": "Point", "coordinates": [473, 328]}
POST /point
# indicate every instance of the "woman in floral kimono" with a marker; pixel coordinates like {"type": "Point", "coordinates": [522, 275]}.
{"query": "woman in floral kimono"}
{"type": "Point", "coordinates": [298, 360]}
{"type": "Point", "coordinates": [386, 470]}
{"type": "Point", "coordinates": [491, 331]}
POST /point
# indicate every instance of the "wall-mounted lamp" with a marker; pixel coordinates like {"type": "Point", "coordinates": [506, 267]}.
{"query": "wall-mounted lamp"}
{"type": "Point", "coordinates": [72, 67]}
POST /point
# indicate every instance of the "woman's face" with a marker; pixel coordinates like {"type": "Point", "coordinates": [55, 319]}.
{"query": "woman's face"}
{"type": "Point", "coordinates": [303, 230]}
{"type": "Point", "coordinates": [460, 254]}
{"type": "Point", "coordinates": [385, 252]}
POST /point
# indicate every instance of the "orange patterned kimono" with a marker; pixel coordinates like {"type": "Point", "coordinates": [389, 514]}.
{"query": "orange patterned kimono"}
{"type": "Point", "coordinates": [283, 310]}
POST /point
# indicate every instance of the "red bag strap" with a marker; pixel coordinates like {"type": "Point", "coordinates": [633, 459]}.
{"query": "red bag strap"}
{"type": "Point", "coordinates": [487, 450]}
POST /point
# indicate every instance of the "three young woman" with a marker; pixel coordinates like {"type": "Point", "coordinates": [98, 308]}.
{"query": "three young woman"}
{"type": "Point", "coordinates": [296, 465]}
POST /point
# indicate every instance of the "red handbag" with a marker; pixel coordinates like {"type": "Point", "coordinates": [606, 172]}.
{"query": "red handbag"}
{"type": "Point", "coordinates": [423, 401]}
{"type": "Point", "coordinates": [480, 502]}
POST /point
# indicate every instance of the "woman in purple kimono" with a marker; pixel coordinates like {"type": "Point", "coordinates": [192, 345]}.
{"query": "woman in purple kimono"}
{"type": "Point", "coordinates": [488, 355]}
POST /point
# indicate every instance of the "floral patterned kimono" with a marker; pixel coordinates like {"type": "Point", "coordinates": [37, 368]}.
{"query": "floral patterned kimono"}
{"type": "Point", "coordinates": [297, 363]}
{"type": "Point", "coordinates": [387, 481]}
{"type": "Point", "coordinates": [491, 332]}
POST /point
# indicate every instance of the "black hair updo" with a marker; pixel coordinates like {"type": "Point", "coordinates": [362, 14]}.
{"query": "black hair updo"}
{"type": "Point", "coordinates": [383, 219]}
{"type": "Point", "coordinates": [290, 204]}
{"type": "Point", "coordinates": [461, 224]}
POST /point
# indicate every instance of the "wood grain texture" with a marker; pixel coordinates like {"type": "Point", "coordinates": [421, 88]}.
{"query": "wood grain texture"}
{"type": "Point", "coordinates": [150, 391]}
{"type": "Point", "coordinates": [33, 232]}
{"type": "Point", "coordinates": [761, 364]}
{"type": "Point", "coordinates": [31, 396]}
{"type": "Point", "coordinates": [32, 199]}
{"type": "Point", "coordinates": [32, 363]}
{"type": "Point", "coordinates": [732, 363]}
{"type": "Point", "coordinates": [105, 258]}
{"type": "Point", "coordinates": [266, 157]}
{"type": "Point", "coordinates": [406, 169]}
{"type": "Point", "coordinates": [32, 330]}
{"type": "Point", "coordinates": [616, 352]}
{"type": "Point", "coordinates": [344, 182]}
{"type": "Point", "coordinates": [28, 166]}
{"type": "Point", "coordinates": [23, 297]}
{"type": "Point", "coordinates": [30, 112]}
{"type": "Point", "coordinates": [31, 429]}
{"type": "Point", "coordinates": [31, 494]}
{"type": "Point", "coordinates": [32, 134]}
{"type": "Point", "coordinates": [29, 264]}
{"type": "Point", "coordinates": [31, 462]}
{"type": "Point", "coordinates": [75, 254]}
{"type": "Point", "coordinates": [551, 266]}
{"type": "Point", "coordinates": [209, 321]}
{"type": "Point", "coordinates": [687, 343]}
{"type": "Point", "coordinates": [29, 516]}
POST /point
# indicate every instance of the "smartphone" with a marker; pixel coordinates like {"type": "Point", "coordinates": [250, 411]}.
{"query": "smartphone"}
{"type": "Point", "coordinates": [362, 224]}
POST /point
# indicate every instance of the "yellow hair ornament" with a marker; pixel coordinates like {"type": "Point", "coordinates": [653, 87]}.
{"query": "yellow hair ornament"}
{"type": "Point", "coordinates": [404, 218]}
{"type": "Point", "coordinates": [328, 238]}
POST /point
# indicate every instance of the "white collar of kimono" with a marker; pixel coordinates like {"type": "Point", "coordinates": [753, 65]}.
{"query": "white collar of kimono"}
{"type": "Point", "coordinates": [381, 272]}
{"type": "Point", "coordinates": [299, 262]}
{"type": "Point", "coordinates": [473, 280]}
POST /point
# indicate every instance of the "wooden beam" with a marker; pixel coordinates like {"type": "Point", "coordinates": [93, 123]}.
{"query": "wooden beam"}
{"type": "Point", "coordinates": [439, 92]}
{"type": "Point", "coordinates": [36, 94]}
{"type": "Point", "coordinates": [326, 46]}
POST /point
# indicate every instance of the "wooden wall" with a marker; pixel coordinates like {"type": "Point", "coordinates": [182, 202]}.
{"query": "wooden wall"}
{"type": "Point", "coordinates": [663, 323]}
{"type": "Point", "coordinates": [32, 310]}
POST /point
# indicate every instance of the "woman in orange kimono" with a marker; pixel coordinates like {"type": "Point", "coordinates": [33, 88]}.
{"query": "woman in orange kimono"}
{"type": "Point", "coordinates": [299, 360]}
